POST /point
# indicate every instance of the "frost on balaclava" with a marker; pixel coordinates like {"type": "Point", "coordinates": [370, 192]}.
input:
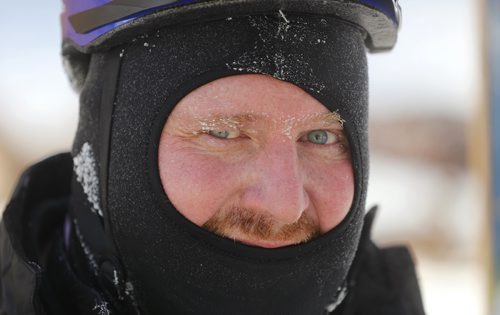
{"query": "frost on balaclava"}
{"type": "Point", "coordinates": [134, 237]}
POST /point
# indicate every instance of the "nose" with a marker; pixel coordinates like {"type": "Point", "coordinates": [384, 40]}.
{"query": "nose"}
{"type": "Point", "coordinates": [277, 183]}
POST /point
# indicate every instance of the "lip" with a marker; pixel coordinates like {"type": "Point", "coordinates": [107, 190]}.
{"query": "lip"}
{"type": "Point", "coordinates": [264, 244]}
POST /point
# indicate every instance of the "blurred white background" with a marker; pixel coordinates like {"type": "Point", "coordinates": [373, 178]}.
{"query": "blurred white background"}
{"type": "Point", "coordinates": [426, 96]}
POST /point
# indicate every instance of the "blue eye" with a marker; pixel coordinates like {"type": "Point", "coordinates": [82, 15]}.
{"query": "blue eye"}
{"type": "Point", "coordinates": [224, 134]}
{"type": "Point", "coordinates": [321, 137]}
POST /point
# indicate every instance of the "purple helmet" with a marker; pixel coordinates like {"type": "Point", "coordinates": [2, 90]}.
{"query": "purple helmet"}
{"type": "Point", "coordinates": [95, 25]}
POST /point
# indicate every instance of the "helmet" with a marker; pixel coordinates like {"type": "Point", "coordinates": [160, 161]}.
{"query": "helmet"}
{"type": "Point", "coordinates": [96, 25]}
{"type": "Point", "coordinates": [91, 24]}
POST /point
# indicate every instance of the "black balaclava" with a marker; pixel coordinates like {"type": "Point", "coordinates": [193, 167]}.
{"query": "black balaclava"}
{"type": "Point", "coordinates": [138, 247]}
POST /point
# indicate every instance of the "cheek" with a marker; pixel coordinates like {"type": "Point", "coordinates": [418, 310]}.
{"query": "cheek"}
{"type": "Point", "coordinates": [196, 184]}
{"type": "Point", "coordinates": [330, 187]}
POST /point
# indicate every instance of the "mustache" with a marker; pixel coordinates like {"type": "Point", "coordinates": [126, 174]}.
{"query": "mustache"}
{"type": "Point", "coordinates": [261, 226]}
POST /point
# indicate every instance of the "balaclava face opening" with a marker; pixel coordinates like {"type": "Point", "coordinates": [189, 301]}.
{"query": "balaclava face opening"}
{"type": "Point", "coordinates": [133, 235]}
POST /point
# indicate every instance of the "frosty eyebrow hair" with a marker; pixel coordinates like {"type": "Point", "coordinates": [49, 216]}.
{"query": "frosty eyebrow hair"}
{"type": "Point", "coordinates": [329, 118]}
{"type": "Point", "coordinates": [232, 121]}
{"type": "Point", "coordinates": [235, 121]}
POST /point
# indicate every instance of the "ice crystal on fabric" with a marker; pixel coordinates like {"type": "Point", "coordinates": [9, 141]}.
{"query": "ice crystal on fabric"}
{"type": "Point", "coordinates": [268, 56]}
{"type": "Point", "coordinates": [86, 249]}
{"type": "Point", "coordinates": [129, 291]}
{"type": "Point", "coordinates": [341, 295]}
{"type": "Point", "coordinates": [84, 166]}
{"type": "Point", "coordinates": [101, 308]}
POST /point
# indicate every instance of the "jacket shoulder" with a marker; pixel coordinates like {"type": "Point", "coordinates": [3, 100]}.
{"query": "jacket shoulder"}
{"type": "Point", "coordinates": [23, 231]}
{"type": "Point", "coordinates": [387, 284]}
{"type": "Point", "coordinates": [17, 278]}
{"type": "Point", "coordinates": [382, 281]}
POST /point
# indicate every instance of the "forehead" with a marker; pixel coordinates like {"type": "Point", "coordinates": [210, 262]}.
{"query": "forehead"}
{"type": "Point", "coordinates": [253, 95]}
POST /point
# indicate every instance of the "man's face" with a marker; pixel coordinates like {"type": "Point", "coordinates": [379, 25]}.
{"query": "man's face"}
{"type": "Point", "coordinates": [258, 160]}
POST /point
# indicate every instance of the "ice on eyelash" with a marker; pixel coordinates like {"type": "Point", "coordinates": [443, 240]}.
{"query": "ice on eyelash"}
{"type": "Point", "coordinates": [287, 123]}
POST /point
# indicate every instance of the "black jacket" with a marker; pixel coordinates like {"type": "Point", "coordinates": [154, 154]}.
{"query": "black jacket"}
{"type": "Point", "coordinates": [36, 277]}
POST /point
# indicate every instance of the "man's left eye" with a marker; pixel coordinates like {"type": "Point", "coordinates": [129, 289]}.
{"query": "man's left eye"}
{"type": "Point", "coordinates": [224, 134]}
{"type": "Point", "coordinates": [321, 137]}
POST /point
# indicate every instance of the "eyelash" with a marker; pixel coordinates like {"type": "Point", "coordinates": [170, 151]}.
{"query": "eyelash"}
{"type": "Point", "coordinates": [212, 134]}
{"type": "Point", "coordinates": [340, 138]}
{"type": "Point", "coordinates": [329, 133]}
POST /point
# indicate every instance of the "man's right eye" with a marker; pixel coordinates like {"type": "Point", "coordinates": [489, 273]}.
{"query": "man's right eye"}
{"type": "Point", "coordinates": [224, 134]}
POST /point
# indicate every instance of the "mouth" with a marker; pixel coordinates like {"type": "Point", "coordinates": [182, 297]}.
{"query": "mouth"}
{"type": "Point", "coordinates": [253, 228]}
{"type": "Point", "coordinates": [266, 244]}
